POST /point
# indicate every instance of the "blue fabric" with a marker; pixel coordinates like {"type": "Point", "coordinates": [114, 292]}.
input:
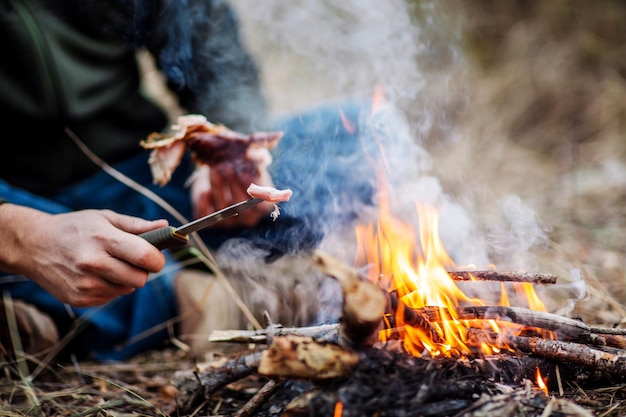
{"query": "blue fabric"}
{"type": "Point", "coordinates": [318, 158]}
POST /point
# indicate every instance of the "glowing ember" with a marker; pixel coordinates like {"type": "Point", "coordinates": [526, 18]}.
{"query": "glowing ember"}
{"type": "Point", "coordinates": [415, 267]}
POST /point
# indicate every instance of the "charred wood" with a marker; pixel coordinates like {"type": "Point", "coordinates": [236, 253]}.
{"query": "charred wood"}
{"type": "Point", "coordinates": [261, 397]}
{"type": "Point", "coordinates": [409, 316]}
{"type": "Point", "coordinates": [395, 384]}
{"type": "Point", "coordinates": [613, 337]}
{"type": "Point", "coordinates": [193, 384]}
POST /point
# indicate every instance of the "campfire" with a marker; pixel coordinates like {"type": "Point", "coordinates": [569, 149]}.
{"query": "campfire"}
{"type": "Point", "coordinates": [417, 335]}
{"type": "Point", "coordinates": [409, 338]}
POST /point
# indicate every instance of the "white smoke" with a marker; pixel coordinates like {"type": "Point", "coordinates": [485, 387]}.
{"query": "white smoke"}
{"type": "Point", "coordinates": [344, 48]}
{"type": "Point", "coordinates": [314, 51]}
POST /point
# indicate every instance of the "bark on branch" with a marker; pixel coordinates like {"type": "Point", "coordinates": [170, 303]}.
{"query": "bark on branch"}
{"type": "Point", "coordinates": [364, 302]}
{"type": "Point", "coordinates": [304, 358]}
{"type": "Point", "coordinates": [562, 326]}
{"type": "Point", "coordinates": [488, 275]}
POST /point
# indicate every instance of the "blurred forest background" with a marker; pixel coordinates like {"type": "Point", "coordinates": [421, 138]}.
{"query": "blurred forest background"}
{"type": "Point", "coordinates": [519, 103]}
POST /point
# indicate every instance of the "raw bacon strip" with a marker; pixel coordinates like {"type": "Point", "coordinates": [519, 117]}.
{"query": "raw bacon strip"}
{"type": "Point", "coordinates": [269, 194]}
{"type": "Point", "coordinates": [210, 144]}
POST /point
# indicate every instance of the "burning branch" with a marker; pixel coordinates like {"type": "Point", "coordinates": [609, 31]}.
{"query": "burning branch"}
{"type": "Point", "coordinates": [410, 317]}
{"type": "Point", "coordinates": [489, 275]}
{"type": "Point", "coordinates": [563, 326]}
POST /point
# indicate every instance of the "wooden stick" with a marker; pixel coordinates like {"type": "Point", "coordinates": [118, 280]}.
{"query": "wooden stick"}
{"type": "Point", "coordinates": [303, 357]}
{"type": "Point", "coordinates": [612, 363]}
{"type": "Point", "coordinates": [260, 398]}
{"type": "Point", "coordinates": [410, 317]}
{"type": "Point", "coordinates": [571, 352]}
{"type": "Point", "coordinates": [192, 383]}
{"type": "Point", "coordinates": [328, 332]}
{"type": "Point", "coordinates": [489, 275]}
{"type": "Point", "coordinates": [364, 302]}
{"type": "Point", "coordinates": [563, 326]}
{"type": "Point", "coordinates": [613, 337]}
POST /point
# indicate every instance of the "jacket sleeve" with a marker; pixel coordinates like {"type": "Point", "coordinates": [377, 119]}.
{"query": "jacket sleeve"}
{"type": "Point", "coordinates": [198, 47]}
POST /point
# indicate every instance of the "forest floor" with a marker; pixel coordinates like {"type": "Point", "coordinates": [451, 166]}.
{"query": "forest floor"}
{"type": "Point", "coordinates": [538, 128]}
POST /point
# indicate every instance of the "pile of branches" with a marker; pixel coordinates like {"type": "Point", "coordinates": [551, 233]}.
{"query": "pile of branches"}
{"type": "Point", "coordinates": [342, 369]}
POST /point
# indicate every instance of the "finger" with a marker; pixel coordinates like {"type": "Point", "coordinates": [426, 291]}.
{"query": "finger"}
{"type": "Point", "coordinates": [132, 224]}
{"type": "Point", "coordinates": [124, 269]}
{"type": "Point", "coordinates": [93, 291]}
{"type": "Point", "coordinates": [131, 256]}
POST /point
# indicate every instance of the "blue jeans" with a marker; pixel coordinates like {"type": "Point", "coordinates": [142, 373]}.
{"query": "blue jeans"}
{"type": "Point", "coordinates": [318, 158]}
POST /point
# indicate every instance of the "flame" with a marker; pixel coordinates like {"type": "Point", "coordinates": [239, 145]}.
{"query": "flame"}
{"type": "Point", "coordinates": [338, 409]}
{"type": "Point", "coordinates": [412, 262]}
{"type": "Point", "coordinates": [541, 382]}
{"type": "Point", "coordinates": [414, 265]}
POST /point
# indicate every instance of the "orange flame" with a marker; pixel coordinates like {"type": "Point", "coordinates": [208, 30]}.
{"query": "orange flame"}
{"type": "Point", "coordinates": [338, 409]}
{"type": "Point", "coordinates": [413, 262]}
{"type": "Point", "coordinates": [415, 267]}
{"type": "Point", "coordinates": [541, 382]}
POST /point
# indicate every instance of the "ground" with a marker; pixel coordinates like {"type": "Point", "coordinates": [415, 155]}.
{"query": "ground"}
{"type": "Point", "coordinates": [520, 109]}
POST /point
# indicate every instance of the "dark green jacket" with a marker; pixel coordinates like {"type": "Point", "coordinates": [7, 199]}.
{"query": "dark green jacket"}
{"type": "Point", "coordinates": [72, 64]}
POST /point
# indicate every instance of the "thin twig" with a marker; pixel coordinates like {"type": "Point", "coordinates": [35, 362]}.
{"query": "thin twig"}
{"type": "Point", "coordinates": [260, 398]}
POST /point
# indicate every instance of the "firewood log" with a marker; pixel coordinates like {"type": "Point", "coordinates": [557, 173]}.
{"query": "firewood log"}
{"type": "Point", "coordinates": [304, 358]}
{"type": "Point", "coordinates": [364, 302]}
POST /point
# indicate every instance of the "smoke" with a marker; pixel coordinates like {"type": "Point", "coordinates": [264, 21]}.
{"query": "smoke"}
{"type": "Point", "coordinates": [515, 233]}
{"type": "Point", "coordinates": [313, 51]}
{"type": "Point", "coordinates": [344, 47]}
{"type": "Point", "coordinates": [319, 51]}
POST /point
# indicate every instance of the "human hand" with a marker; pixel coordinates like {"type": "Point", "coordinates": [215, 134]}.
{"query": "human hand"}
{"type": "Point", "coordinates": [84, 258]}
{"type": "Point", "coordinates": [221, 186]}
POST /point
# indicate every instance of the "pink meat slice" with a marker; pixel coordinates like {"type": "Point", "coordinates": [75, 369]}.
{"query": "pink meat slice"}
{"type": "Point", "coordinates": [270, 194]}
